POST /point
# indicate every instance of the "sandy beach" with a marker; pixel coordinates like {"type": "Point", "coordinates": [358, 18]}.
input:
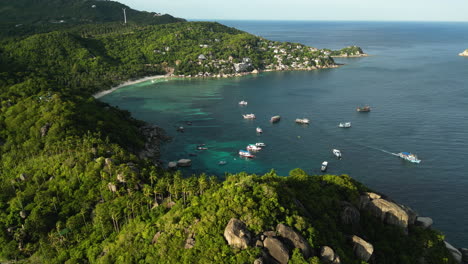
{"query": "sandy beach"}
{"type": "Point", "coordinates": [102, 93]}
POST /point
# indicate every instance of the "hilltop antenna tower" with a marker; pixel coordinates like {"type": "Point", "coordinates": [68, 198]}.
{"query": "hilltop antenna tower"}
{"type": "Point", "coordinates": [125, 16]}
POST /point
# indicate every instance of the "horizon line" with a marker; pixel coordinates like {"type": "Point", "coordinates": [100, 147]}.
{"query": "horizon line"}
{"type": "Point", "coordinates": [326, 20]}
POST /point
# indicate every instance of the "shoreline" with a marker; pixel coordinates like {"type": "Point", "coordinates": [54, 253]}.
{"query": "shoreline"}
{"type": "Point", "coordinates": [351, 56]}
{"type": "Point", "coordinates": [129, 82]}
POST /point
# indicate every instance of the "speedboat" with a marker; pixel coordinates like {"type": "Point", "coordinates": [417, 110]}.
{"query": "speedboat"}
{"type": "Point", "coordinates": [243, 102]}
{"type": "Point", "coordinates": [409, 157]}
{"type": "Point", "coordinates": [249, 116]}
{"type": "Point", "coordinates": [253, 147]}
{"type": "Point", "coordinates": [337, 153]}
{"type": "Point", "coordinates": [275, 119]}
{"type": "Point", "coordinates": [245, 153]}
{"type": "Point", "coordinates": [363, 108]}
{"type": "Point", "coordinates": [324, 166]}
{"type": "Point", "coordinates": [345, 125]}
{"type": "Point", "coordinates": [260, 144]}
{"type": "Point", "coordinates": [302, 120]}
{"type": "Point", "coordinates": [259, 130]}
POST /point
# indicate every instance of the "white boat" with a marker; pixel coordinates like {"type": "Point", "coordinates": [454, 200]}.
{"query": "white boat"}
{"type": "Point", "coordinates": [243, 102]}
{"type": "Point", "coordinates": [253, 147]}
{"type": "Point", "coordinates": [324, 166]}
{"type": "Point", "coordinates": [259, 130]}
{"type": "Point", "coordinates": [409, 157]}
{"type": "Point", "coordinates": [302, 120]}
{"type": "Point", "coordinates": [245, 153]}
{"type": "Point", "coordinates": [345, 125]}
{"type": "Point", "coordinates": [222, 162]}
{"type": "Point", "coordinates": [337, 153]}
{"type": "Point", "coordinates": [260, 144]}
{"type": "Point", "coordinates": [249, 116]}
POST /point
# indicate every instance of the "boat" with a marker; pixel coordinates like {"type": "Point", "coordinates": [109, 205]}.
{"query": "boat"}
{"type": "Point", "coordinates": [259, 130]}
{"type": "Point", "coordinates": [409, 157]}
{"type": "Point", "coordinates": [337, 153]}
{"type": "Point", "coordinates": [260, 144]}
{"type": "Point", "coordinates": [302, 120]}
{"type": "Point", "coordinates": [253, 147]}
{"type": "Point", "coordinates": [245, 153]}
{"type": "Point", "coordinates": [275, 119]}
{"type": "Point", "coordinates": [249, 116]}
{"type": "Point", "coordinates": [202, 148]}
{"type": "Point", "coordinates": [180, 129]}
{"type": "Point", "coordinates": [243, 102]}
{"type": "Point", "coordinates": [345, 124]}
{"type": "Point", "coordinates": [222, 162]}
{"type": "Point", "coordinates": [324, 166]}
{"type": "Point", "coordinates": [363, 108]}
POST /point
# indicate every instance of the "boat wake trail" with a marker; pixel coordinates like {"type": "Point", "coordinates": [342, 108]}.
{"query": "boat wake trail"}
{"type": "Point", "coordinates": [382, 150]}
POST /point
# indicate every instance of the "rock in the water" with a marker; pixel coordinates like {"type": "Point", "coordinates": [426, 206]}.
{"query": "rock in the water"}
{"type": "Point", "coordinates": [156, 237]}
{"type": "Point", "coordinates": [350, 215]}
{"type": "Point", "coordinates": [464, 252]}
{"type": "Point", "coordinates": [362, 249]}
{"type": "Point", "coordinates": [294, 239]}
{"type": "Point", "coordinates": [172, 165]}
{"type": "Point", "coordinates": [388, 212]}
{"type": "Point", "coordinates": [424, 222]}
{"type": "Point", "coordinates": [277, 250]}
{"type": "Point", "coordinates": [464, 53]}
{"type": "Point", "coordinates": [184, 163]}
{"type": "Point", "coordinates": [189, 243]}
{"type": "Point", "coordinates": [236, 234]}
{"type": "Point", "coordinates": [457, 255]}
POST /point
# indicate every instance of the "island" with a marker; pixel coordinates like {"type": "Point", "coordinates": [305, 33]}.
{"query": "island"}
{"type": "Point", "coordinates": [81, 182]}
{"type": "Point", "coordinates": [464, 53]}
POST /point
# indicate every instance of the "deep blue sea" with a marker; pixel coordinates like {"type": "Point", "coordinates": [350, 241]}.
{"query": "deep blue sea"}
{"type": "Point", "coordinates": [415, 81]}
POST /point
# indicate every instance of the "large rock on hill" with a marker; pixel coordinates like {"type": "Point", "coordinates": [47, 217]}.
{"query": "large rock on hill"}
{"type": "Point", "coordinates": [464, 252]}
{"type": "Point", "coordinates": [424, 222]}
{"type": "Point", "coordinates": [276, 249]}
{"type": "Point", "coordinates": [457, 255]}
{"type": "Point", "coordinates": [327, 255]}
{"type": "Point", "coordinates": [350, 215]}
{"type": "Point", "coordinates": [294, 239]}
{"type": "Point", "coordinates": [362, 249]}
{"type": "Point", "coordinates": [388, 212]}
{"type": "Point", "coordinates": [236, 234]}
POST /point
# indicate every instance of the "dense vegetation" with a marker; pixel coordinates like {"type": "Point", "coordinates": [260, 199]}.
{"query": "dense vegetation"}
{"type": "Point", "coordinates": [73, 189]}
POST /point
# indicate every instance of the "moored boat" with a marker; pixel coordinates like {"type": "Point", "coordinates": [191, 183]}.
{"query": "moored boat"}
{"type": "Point", "coordinates": [245, 153]}
{"type": "Point", "coordinates": [243, 102]}
{"type": "Point", "coordinates": [275, 119]}
{"type": "Point", "coordinates": [324, 166]}
{"type": "Point", "coordinates": [253, 147]}
{"type": "Point", "coordinates": [302, 120]}
{"type": "Point", "coordinates": [259, 130]}
{"type": "Point", "coordinates": [409, 157]}
{"type": "Point", "coordinates": [345, 124]}
{"type": "Point", "coordinates": [337, 153]}
{"type": "Point", "coordinates": [249, 116]}
{"type": "Point", "coordinates": [363, 108]}
{"type": "Point", "coordinates": [260, 144]}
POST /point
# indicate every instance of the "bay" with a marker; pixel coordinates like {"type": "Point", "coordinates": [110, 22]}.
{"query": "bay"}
{"type": "Point", "coordinates": [414, 81]}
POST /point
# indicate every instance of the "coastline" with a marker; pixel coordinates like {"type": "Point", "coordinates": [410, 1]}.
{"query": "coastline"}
{"type": "Point", "coordinates": [126, 83]}
{"type": "Point", "coordinates": [351, 56]}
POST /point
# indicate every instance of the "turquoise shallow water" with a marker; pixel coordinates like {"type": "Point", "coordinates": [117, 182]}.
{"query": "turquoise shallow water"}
{"type": "Point", "coordinates": [415, 82]}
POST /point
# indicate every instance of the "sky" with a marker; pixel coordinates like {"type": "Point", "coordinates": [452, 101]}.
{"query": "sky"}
{"type": "Point", "coordinates": [360, 10]}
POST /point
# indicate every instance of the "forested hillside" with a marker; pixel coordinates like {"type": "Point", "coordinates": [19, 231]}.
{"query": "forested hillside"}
{"type": "Point", "coordinates": [80, 181]}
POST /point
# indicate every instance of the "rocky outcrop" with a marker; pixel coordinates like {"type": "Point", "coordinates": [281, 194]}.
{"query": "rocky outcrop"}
{"type": "Point", "coordinates": [189, 243]}
{"type": "Point", "coordinates": [154, 136]}
{"type": "Point", "coordinates": [276, 249]}
{"type": "Point", "coordinates": [388, 212]}
{"type": "Point", "coordinates": [464, 252]}
{"type": "Point", "coordinates": [424, 222]}
{"type": "Point", "coordinates": [457, 255]}
{"type": "Point", "coordinates": [412, 215]}
{"type": "Point", "coordinates": [350, 215]}
{"type": "Point", "coordinates": [362, 249]}
{"type": "Point", "coordinates": [236, 234]}
{"type": "Point", "coordinates": [45, 129]}
{"type": "Point", "coordinates": [327, 255]}
{"type": "Point", "coordinates": [242, 67]}
{"type": "Point", "coordinates": [156, 237]}
{"type": "Point", "coordinates": [172, 165]}
{"type": "Point", "coordinates": [184, 163]}
{"type": "Point", "coordinates": [464, 53]}
{"type": "Point", "coordinates": [294, 239]}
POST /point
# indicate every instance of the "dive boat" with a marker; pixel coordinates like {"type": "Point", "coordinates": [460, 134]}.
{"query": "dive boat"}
{"type": "Point", "coordinates": [409, 157]}
{"type": "Point", "coordinates": [363, 108]}
{"type": "Point", "coordinates": [253, 147]}
{"type": "Point", "coordinates": [337, 153]}
{"type": "Point", "coordinates": [245, 153]}
{"type": "Point", "coordinates": [259, 130]}
{"type": "Point", "coordinates": [275, 119]}
{"type": "Point", "coordinates": [302, 120]}
{"type": "Point", "coordinates": [260, 144]}
{"type": "Point", "coordinates": [324, 166]}
{"type": "Point", "coordinates": [243, 102]}
{"type": "Point", "coordinates": [345, 124]}
{"type": "Point", "coordinates": [249, 116]}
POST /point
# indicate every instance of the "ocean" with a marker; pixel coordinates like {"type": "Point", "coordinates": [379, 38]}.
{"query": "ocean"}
{"type": "Point", "coordinates": [414, 80]}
